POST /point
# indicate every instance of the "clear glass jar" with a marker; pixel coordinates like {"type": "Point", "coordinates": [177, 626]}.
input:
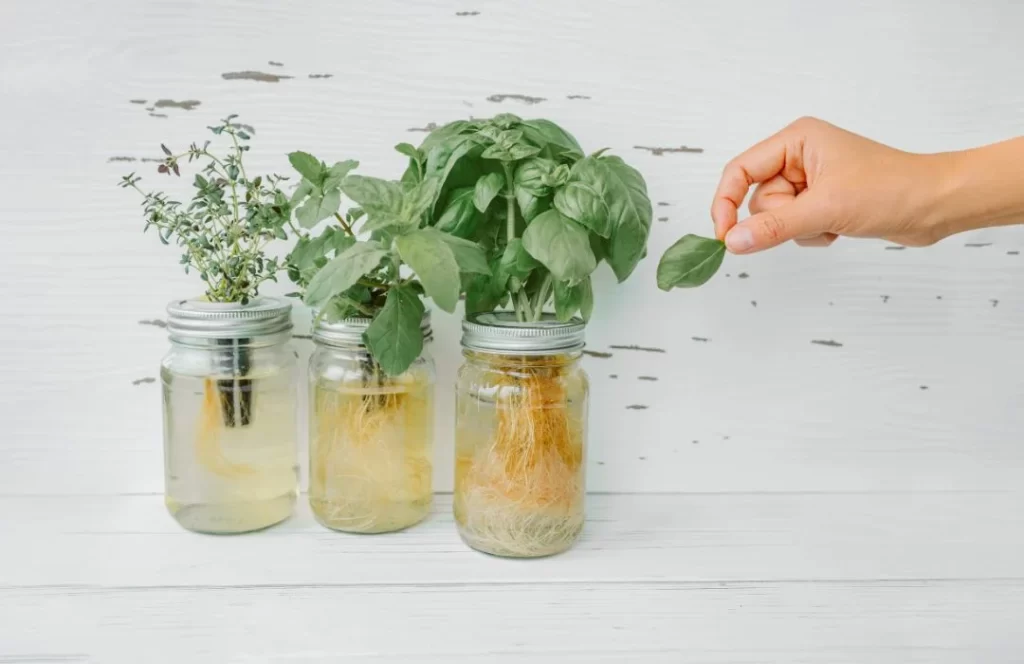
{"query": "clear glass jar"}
{"type": "Point", "coordinates": [229, 405]}
{"type": "Point", "coordinates": [520, 435]}
{"type": "Point", "coordinates": [370, 435]}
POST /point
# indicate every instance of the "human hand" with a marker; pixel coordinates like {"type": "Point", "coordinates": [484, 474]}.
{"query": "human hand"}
{"type": "Point", "coordinates": [816, 182]}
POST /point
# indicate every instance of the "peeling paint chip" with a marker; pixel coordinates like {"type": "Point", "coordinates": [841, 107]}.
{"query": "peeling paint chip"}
{"type": "Point", "coordinates": [645, 349]}
{"type": "Point", "coordinates": [274, 63]}
{"type": "Point", "coordinates": [663, 204]}
{"type": "Point", "coordinates": [121, 159]}
{"type": "Point", "coordinates": [136, 101]}
{"type": "Point", "coordinates": [924, 387]}
{"type": "Point", "coordinates": [578, 97]}
{"type": "Point", "coordinates": [978, 244]}
{"type": "Point", "coordinates": [1012, 253]}
{"type": "Point", "coordinates": [247, 75]}
{"type": "Point", "coordinates": [743, 275]}
{"type": "Point", "coordinates": [157, 115]}
{"type": "Point", "coordinates": [467, 13]}
{"type": "Point", "coordinates": [141, 381]}
{"type": "Point", "coordinates": [321, 75]}
{"type": "Point", "coordinates": [995, 303]}
{"type": "Point", "coordinates": [613, 375]}
{"type": "Point", "coordinates": [662, 218]}
{"type": "Point", "coordinates": [527, 99]}
{"type": "Point", "coordinates": [895, 248]}
{"type": "Point", "coordinates": [703, 339]}
{"type": "Point", "coordinates": [596, 353]}
{"type": "Point", "coordinates": [302, 336]}
{"type": "Point", "coordinates": [642, 458]}
{"type": "Point", "coordinates": [188, 104]}
{"type": "Point", "coordinates": [636, 406]}
{"type": "Point", "coordinates": [827, 342]}
{"type": "Point", "coordinates": [753, 303]}
{"type": "Point", "coordinates": [431, 126]}
{"type": "Point", "coordinates": [885, 298]}
{"type": "Point", "coordinates": [651, 378]}
{"type": "Point", "coordinates": [155, 322]}
{"type": "Point", "coordinates": [660, 151]}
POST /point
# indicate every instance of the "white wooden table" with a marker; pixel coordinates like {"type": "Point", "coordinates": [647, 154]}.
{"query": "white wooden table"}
{"type": "Point", "coordinates": [829, 467]}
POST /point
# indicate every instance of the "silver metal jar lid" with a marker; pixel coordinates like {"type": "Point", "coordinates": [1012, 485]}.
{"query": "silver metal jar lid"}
{"type": "Point", "coordinates": [499, 332]}
{"type": "Point", "coordinates": [348, 332]}
{"type": "Point", "coordinates": [196, 318]}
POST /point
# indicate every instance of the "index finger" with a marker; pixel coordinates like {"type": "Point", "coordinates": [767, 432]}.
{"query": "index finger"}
{"type": "Point", "coordinates": [760, 163]}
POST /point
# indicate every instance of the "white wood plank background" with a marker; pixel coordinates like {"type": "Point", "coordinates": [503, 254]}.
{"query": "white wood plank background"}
{"type": "Point", "coordinates": [777, 500]}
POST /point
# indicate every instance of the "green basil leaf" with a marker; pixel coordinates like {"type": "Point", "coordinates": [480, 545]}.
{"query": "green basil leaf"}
{"type": "Point", "coordinates": [318, 207]}
{"type": "Point", "coordinates": [496, 152]}
{"type": "Point", "coordinates": [561, 245]}
{"type": "Point", "coordinates": [584, 203]}
{"type": "Point", "coordinates": [485, 292]}
{"type": "Point", "coordinates": [409, 151]}
{"type": "Point", "coordinates": [487, 187]}
{"type": "Point", "coordinates": [531, 174]}
{"type": "Point", "coordinates": [307, 165]}
{"type": "Point", "coordinates": [469, 256]}
{"type": "Point", "coordinates": [586, 299]}
{"type": "Point", "coordinates": [446, 155]}
{"type": "Point", "coordinates": [433, 261]}
{"type": "Point", "coordinates": [531, 206]}
{"type": "Point", "coordinates": [520, 151]}
{"type": "Point", "coordinates": [337, 173]}
{"type": "Point", "coordinates": [342, 272]}
{"type": "Point", "coordinates": [552, 139]}
{"type": "Point", "coordinates": [569, 298]}
{"type": "Point", "coordinates": [505, 120]}
{"type": "Point", "coordinates": [395, 338]}
{"type": "Point", "coordinates": [690, 262]}
{"type": "Point", "coordinates": [630, 212]}
{"type": "Point", "coordinates": [445, 133]}
{"type": "Point", "coordinates": [460, 218]}
{"type": "Point", "coordinates": [517, 262]}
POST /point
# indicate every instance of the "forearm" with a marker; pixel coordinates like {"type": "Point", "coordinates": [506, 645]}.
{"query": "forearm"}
{"type": "Point", "coordinates": [978, 188]}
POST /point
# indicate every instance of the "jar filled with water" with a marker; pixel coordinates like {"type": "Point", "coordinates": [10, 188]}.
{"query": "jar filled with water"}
{"type": "Point", "coordinates": [370, 434]}
{"type": "Point", "coordinates": [229, 405]}
{"type": "Point", "coordinates": [520, 435]}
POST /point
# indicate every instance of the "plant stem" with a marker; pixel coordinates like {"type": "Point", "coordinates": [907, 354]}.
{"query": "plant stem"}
{"type": "Point", "coordinates": [341, 220]}
{"type": "Point", "coordinates": [523, 313]}
{"type": "Point", "coordinates": [542, 298]}
{"type": "Point", "coordinates": [511, 201]}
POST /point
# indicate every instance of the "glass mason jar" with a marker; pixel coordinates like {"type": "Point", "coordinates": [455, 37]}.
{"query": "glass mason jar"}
{"type": "Point", "coordinates": [370, 435]}
{"type": "Point", "coordinates": [229, 404]}
{"type": "Point", "coordinates": [520, 435]}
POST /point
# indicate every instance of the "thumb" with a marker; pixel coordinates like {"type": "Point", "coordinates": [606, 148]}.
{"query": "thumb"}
{"type": "Point", "coordinates": [771, 228]}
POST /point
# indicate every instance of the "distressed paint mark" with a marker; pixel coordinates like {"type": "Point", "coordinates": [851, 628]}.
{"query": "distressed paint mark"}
{"type": "Point", "coordinates": [924, 387]}
{"type": "Point", "coordinates": [753, 303]}
{"type": "Point", "coordinates": [642, 458]}
{"type": "Point", "coordinates": [660, 151]}
{"type": "Point", "coordinates": [995, 303]}
{"type": "Point", "coordinates": [830, 304]}
{"type": "Point", "coordinates": [1012, 253]}
{"type": "Point", "coordinates": [321, 75]}
{"type": "Point", "coordinates": [978, 245]}
{"type": "Point", "coordinates": [467, 13]}
{"type": "Point", "coordinates": [155, 322]}
{"type": "Point", "coordinates": [662, 218]}
{"type": "Point", "coordinates": [885, 298]}
{"type": "Point", "coordinates": [578, 97]}
{"type": "Point", "coordinates": [895, 248]}
{"type": "Point", "coordinates": [827, 342]}
{"type": "Point", "coordinates": [650, 378]}
{"type": "Point", "coordinates": [151, 108]}
{"type": "Point", "coordinates": [701, 339]}
{"type": "Point", "coordinates": [249, 75]}
{"type": "Point", "coordinates": [155, 160]}
{"type": "Point", "coordinates": [600, 463]}
{"type": "Point", "coordinates": [296, 354]}
{"type": "Point", "coordinates": [136, 101]}
{"type": "Point", "coordinates": [157, 115]}
{"type": "Point", "coordinates": [597, 353]}
{"type": "Point", "coordinates": [526, 99]}
{"type": "Point", "coordinates": [637, 406]}
{"type": "Point", "coordinates": [695, 442]}
{"type": "Point", "coordinates": [122, 159]}
{"type": "Point", "coordinates": [743, 275]}
{"type": "Point", "coordinates": [645, 349]}
{"type": "Point", "coordinates": [302, 336]}
{"type": "Point", "coordinates": [188, 104]}
{"type": "Point", "coordinates": [431, 126]}
{"type": "Point", "coordinates": [613, 376]}
{"type": "Point", "coordinates": [275, 63]}
{"type": "Point", "coordinates": [726, 437]}
{"type": "Point", "coordinates": [663, 204]}
{"type": "Point", "coordinates": [143, 381]}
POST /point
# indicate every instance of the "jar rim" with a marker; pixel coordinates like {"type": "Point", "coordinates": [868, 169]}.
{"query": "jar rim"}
{"type": "Point", "coordinates": [348, 332]}
{"type": "Point", "coordinates": [501, 332]}
{"type": "Point", "coordinates": [196, 318]}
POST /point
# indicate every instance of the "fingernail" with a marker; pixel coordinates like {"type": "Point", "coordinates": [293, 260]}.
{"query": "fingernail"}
{"type": "Point", "coordinates": [739, 239]}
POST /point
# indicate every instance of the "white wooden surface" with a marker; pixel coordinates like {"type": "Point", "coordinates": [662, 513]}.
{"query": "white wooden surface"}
{"type": "Point", "coordinates": [777, 501]}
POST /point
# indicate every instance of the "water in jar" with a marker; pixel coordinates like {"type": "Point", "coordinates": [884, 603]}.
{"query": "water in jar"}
{"type": "Point", "coordinates": [519, 446]}
{"type": "Point", "coordinates": [229, 450]}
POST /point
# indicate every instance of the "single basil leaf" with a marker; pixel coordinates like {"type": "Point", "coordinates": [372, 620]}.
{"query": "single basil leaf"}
{"type": "Point", "coordinates": [409, 151]}
{"type": "Point", "coordinates": [523, 151]}
{"type": "Point", "coordinates": [446, 132]}
{"type": "Point", "coordinates": [531, 175]}
{"type": "Point", "coordinates": [304, 189]}
{"type": "Point", "coordinates": [487, 187]}
{"type": "Point", "coordinates": [433, 261]}
{"type": "Point", "coordinates": [690, 262]}
{"type": "Point", "coordinates": [460, 218]}
{"type": "Point", "coordinates": [552, 139]}
{"type": "Point", "coordinates": [569, 298]}
{"type": "Point", "coordinates": [446, 155]}
{"type": "Point", "coordinates": [586, 299]}
{"type": "Point", "coordinates": [337, 173]}
{"type": "Point", "coordinates": [557, 177]}
{"type": "Point", "coordinates": [497, 152]}
{"type": "Point", "coordinates": [318, 207]}
{"type": "Point", "coordinates": [506, 120]}
{"type": "Point", "coordinates": [307, 165]}
{"type": "Point", "coordinates": [584, 203]}
{"type": "Point", "coordinates": [531, 205]}
{"type": "Point", "coordinates": [468, 255]}
{"type": "Point", "coordinates": [516, 261]}
{"type": "Point", "coordinates": [342, 272]}
{"type": "Point", "coordinates": [630, 211]}
{"type": "Point", "coordinates": [485, 292]}
{"type": "Point", "coordinates": [561, 245]}
{"type": "Point", "coordinates": [395, 338]}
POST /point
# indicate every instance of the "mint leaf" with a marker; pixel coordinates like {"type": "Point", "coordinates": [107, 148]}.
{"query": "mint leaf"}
{"type": "Point", "coordinates": [342, 272]}
{"type": "Point", "coordinates": [433, 261]}
{"type": "Point", "coordinates": [307, 165]}
{"type": "Point", "coordinates": [394, 338]}
{"type": "Point", "coordinates": [318, 207]}
{"type": "Point", "coordinates": [469, 256]}
{"type": "Point", "coordinates": [337, 173]}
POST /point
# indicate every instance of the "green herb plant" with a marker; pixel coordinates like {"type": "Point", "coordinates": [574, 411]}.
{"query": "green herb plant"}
{"type": "Point", "coordinates": [378, 259]}
{"type": "Point", "coordinates": [544, 213]}
{"type": "Point", "coordinates": [690, 262]}
{"type": "Point", "coordinates": [232, 217]}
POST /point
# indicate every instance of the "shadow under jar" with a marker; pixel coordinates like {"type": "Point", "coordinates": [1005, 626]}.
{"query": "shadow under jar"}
{"type": "Point", "coordinates": [520, 435]}
{"type": "Point", "coordinates": [370, 434]}
{"type": "Point", "coordinates": [229, 406]}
